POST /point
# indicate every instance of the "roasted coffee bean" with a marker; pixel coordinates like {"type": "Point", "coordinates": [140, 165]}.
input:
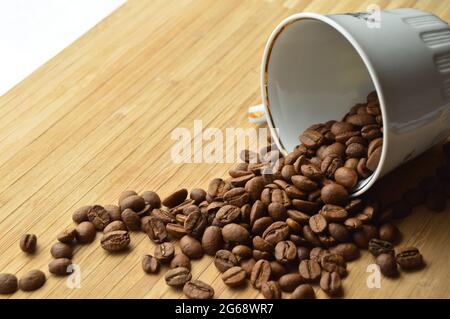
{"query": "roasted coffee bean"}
{"type": "Point", "coordinates": [80, 215]}
{"type": "Point", "coordinates": [271, 290]}
{"type": "Point", "coordinates": [276, 232]}
{"type": "Point", "coordinates": [346, 177]}
{"type": "Point", "coordinates": [60, 266]}
{"type": "Point", "coordinates": [198, 195]}
{"type": "Point", "coordinates": [191, 247]}
{"type": "Point", "coordinates": [330, 283]}
{"type": "Point", "coordinates": [235, 234]}
{"type": "Point", "coordinates": [316, 161]}
{"type": "Point", "coordinates": [164, 252]}
{"type": "Point", "coordinates": [374, 159]}
{"type": "Point", "coordinates": [298, 216]}
{"type": "Point", "coordinates": [242, 252]}
{"type": "Point", "coordinates": [177, 277]}
{"type": "Point", "coordinates": [28, 243]}
{"type": "Point", "coordinates": [388, 232]}
{"type": "Point", "coordinates": [330, 164]}
{"type": "Point", "coordinates": [175, 230]}
{"type": "Point", "coordinates": [280, 196]}
{"type": "Point", "coordinates": [226, 215]}
{"type": "Point", "coordinates": [8, 284]}
{"type": "Point", "coordinates": [175, 198]}
{"type": "Point", "coordinates": [117, 240]}
{"type": "Point", "coordinates": [317, 252]}
{"type": "Point", "coordinates": [131, 219]}
{"type": "Point", "coordinates": [151, 198]}
{"type": "Point", "coordinates": [312, 172]}
{"type": "Point", "coordinates": [261, 244]}
{"type": "Point", "coordinates": [362, 169]}
{"type": "Point", "coordinates": [32, 280]}
{"type": "Point", "coordinates": [85, 232]}
{"type": "Point", "coordinates": [378, 247]}
{"type": "Point", "coordinates": [247, 265]}
{"type": "Point", "coordinates": [367, 214]}
{"type": "Point", "coordinates": [409, 258]}
{"type": "Point", "coordinates": [114, 212]}
{"type": "Point", "coordinates": [277, 211]}
{"type": "Point", "coordinates": [305, 206]}
{"type": "Point", "coordinates": [334, 194]}
{"type": "Point", "coordinates": [245, 213]}
{"type": "Point", "coordinates": [217, 188]}
{"type": "Point", "coordinates": [326, 240]}
{"type": "Point", "coordinates": [289, 282]}
{"type": "Point", "coordinates": [61, 250]}
{"type": "Point", "coordinates": [212, 240]}
{"type": "Point", "coordinates": [310, 236]}
{"type": "Point", "coordinates": [67, 236]}
{"type": "Point", "coordinates": [242, 180]}
{"type": "Point", "coordinates": [344, 137]}
{"type": "Point", "coordinates": [309, 270]}
{"type": "Point", "coordinates": [356, 150]}
{"type": "Point", "coordinates": [134, 202]}
{"type": "Point", "coordinates": [303, 253]}
{"type": "Point", "coordinates": [304, 183]}
{"type": "Point", "coordinates": [312, 139]}
{"type": "Point", "coordinates": [294, 226]}
{"type": "Point", "coordinates": [436, 201]}
{"type": "Point", "coordinates": [277, 269]}
{"type": "Point", "coordinates": [234, 276]}
{"type": "Point", "coordinates": [180, 209]}
{"type": "Point", "coordinates": [334, 263]}
{"type": "Point", "coordinates": [197, 289]}
{"type": "Point", "coordinates": [338, 232]}
{"type": "Point", "coordinates": [261, 224]}
{"type": "Point", "coordinates": [287, 172]}
{"type": "Point", "coordinates": [254, 187]}
{"type": "Point", "coordinates": [150, 264]}
{"type": "Point", "coordinates": [115, 225]}
{"type": "Point", "coordinates": [257, 211]}
{"type": "Point", "coordinates": [318, 223]}
{"type": "Point", "coordinates": [303, 291]}
{"type": "Point", "coordinates": [236, 196]}
{"type": "Point", "coordinates": [180, 260]}
{"type": "Point", "coordinates": [354, 206]}
{"type": "Point", "coordinates": [260, 273]}
{"type": "Point", "coordinates": [336, 149]}
{"type": "Point", "coordinates": [388, 265]}
{"type": "Point", "coordinates": [98, 216]}
{"type": "Point", "coordinates": [348, 250]}
{"type": "Point", "coordinates": [360, 239]}
{"type": "Point", "coordinates": [225, 259]}
{"type": "Point", "coordinates": [361, 119]}
{"type": "Point", "coordinates": [126, 194]}
{"type": "Point", "coordinates": [260, 254]}
{"type": "Point", "coordinates": [195, 223]}
{"type": "Point", "coordinates": [334, 213]}
{"type": "Point", "coordinates": [285, 251]}
{"type": "Point", "coordinates": [341, 127]}
{"type": "Point", "coordinates": [162, 214]}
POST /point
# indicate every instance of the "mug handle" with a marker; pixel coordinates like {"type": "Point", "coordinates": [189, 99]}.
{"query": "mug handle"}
{"type": "Point", "coordinates": [256, 114]}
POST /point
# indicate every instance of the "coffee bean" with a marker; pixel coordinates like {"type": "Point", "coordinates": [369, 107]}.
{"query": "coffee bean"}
{"type": "Point", "coordinates": [318, 223]}
{"type": "Point", "coordinates": [312, 139]}
{"type": "Point", "coordinates": [114, 226]}
{"type": "Point", "coordinates": [234, 276]}
{"type": "Point", "coordinates": [341, 127]}
{"type": "Point", "coordinates": [260, 273]}
{"type": "Point", "coordinates": [304, 183]}
{"type": "Point", "coordinates": [346, 177]}
{"type": "Point", "coordinates": [303, 253]}
{"type": "Point", "coordinates": [32, 280]}
{"type": "Point", "coordinates": [285, 251]}
{"type": "Point", "coordinates": [61, 250]}
{"type": "Point", "coordinates": [113, 211]}
{"type": "Point", "coordinates": [98, 216]}
{"type": "Point", "coordinates": [177, 277]}
{"type": "Point", "coordinates": [114, 241]}
{"type": "Point", "coordinates": [312, 172]}
{"type": "Point", "coordinates": [277, 211]}
{"type": "Point", "coordinates": [409, 258]}
{"type": "Point", "coordinates": [334, 213]}
{"type": "Point", "coordinates": [356, 150]}
{"type": "Point", "coordinates": [8, 284]}
{"type": "Point", "coordinates": [197, 289]}
{"type": "Point", "coordinates": [162, 214]}
{"type": "Point", "coordinates": [388, 232]}
{"type": "Point", "coordinates": [67, 236]}
{"type": "Point", "coordinates": [289, 282]}
{"type": "Point", "coordinates": [217, 188]}
{"type": "Point", "coordinates": [236, 196]}
{"type": "Point", "coordinates": [378, 247]}
{"type": "Point", "coordinates": [175, 230]}
{"type": "Point", "coordinates": [175, 198]}
{"type": "Point", "coordinates": [85, 232]}
{"type": "Point", "coordinates": [330, 164]}
{"type": "Point", "coordinates": [126, 194]}
{"type": "Point", "coordinates": [271, 290]}
{"type": "Point", "coordinates": [303, 291]}
{"type": "Point", "coordinates": [226, 215]}
{"type": "Point", "coordinates": [131, 219]}
{"type": "Point", "coordinates": [261, 244]}
{"type": "Point", "coordinates": [276, 232]}
{"type": "Point", "coordinates": [436, 201]}
{"type": "Point", "coordinates": [224, 260]}
{"type": "Point", "coordinates": [191, 247]}
{"type": "Point", "coordinates": [338, 232]}
{"type": "Point", "coordinates": [28, 243]}
{"type": "Point", "coordinates": [310, 236]}
{"type": "Point", "coordinates": [348, 250]}
{"type": "Point", "coordinates": [60, 266]}
{"type": "Point", "coordinates": [151, 198]}
{"type": "Point", "coordinates": [80, 215]}
{"type": "Point", "coordinates": [164, 252]}
{"type": "Point", "coordinates": [330, 283]}
{"type": "Point", "coordinates": [361, 119]}
{"type": "Point", "coordinates": [212, 240]}
{"type": "Point", "coordinates": [235, 233]}
{"type": "Point", "coordinates": [242, 252]}
{"type": "Point", "coordinates": [334, 194]}
{"type": "Point", "coordinates": [247, 265]}
{"type": "Point", "coordinates": [294, 226]}
{"type": "Point", "coordinates": [180, 260]}
{"type": "Point", "coordinates": [309, 270]}
{"type": "Point", "coordinates": [334, 263]}
{"type": "Point", "coordinates": [387, 264]}
{"type": "Point", "coordinates": [305, 206]}
{"type": "Point", "coordinates": [254, 187]}
{"type": "Point", "coordinates": [150, 264]}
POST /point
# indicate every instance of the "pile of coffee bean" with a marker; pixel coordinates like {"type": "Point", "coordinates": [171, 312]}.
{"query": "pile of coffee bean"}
{"type": "Point", "coordinates": [281, 223]}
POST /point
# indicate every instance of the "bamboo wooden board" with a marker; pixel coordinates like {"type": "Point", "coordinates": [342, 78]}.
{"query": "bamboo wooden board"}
{"type": "Point", "coordinates": [97, 119]}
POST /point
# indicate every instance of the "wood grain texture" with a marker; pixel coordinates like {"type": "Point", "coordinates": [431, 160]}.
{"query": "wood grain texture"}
{"type": "Point", "coordinates": [97, 119]}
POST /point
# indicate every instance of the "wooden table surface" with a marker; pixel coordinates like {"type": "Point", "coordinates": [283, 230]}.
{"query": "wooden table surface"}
{"type": "Point", "coordinates": [97, 119]}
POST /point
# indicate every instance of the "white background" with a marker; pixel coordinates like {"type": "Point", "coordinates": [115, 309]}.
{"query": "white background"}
{"type": "Point", "coordinates": [33, 31]}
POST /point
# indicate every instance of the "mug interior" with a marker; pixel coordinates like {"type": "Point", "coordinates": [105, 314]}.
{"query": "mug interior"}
{"type": "Point", "coordinates": [313, 75]}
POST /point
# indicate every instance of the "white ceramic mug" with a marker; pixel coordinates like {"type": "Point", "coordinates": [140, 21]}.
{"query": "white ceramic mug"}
{"type": "Point", "coordinates": [315, 67]}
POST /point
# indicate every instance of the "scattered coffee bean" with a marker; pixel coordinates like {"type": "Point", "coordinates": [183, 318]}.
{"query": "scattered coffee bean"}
{"type": "Point", "coordinates": [303, 291]}
{"type": "Point", "coordinates": [330, 283]}
{"type": "Point", "coordinates": [197, 289]}
{"type": "Point", "coordinates": [177, 277]}
{"type": "Point", "coordinates": [191, 247]}
{"type": "Point", "coordinates": [131, 219]}
{"type": "Point", "coordinates": [175, 198]}
{"type": "Point", "coordinates": [224, 260]}
{"type": "Point", "coordinates": [378, 247]}
{"type": "Point", "coordinates": [260, 273]}
{"type": "Point", "coordinates": [235, 234]}
{"type": "Point", "coordinates": [285, 251]}
{"type": "Point", "coordinates": [85, 232]}
{"type": "Point", "coordinates": [8, 284]}
{"type": "Point", "coordinates": [212, 240]}
{"type": "Point", "coordinates": [156, 230]}
{"type": "Point", "coordinates": [116, 240]}
{"type": "Point", "coordinates": [150, 264]}
{"type": "Point", "coordinates": [234, 276]}
{"type": "Point", "coordinates": [32, 280]}
{"type": "Point", "coordinates": [61, 250]}
{"type": "Point", "coordinates": [98, 216]}
{"type": "Point", "coordinates": [164, 252]}
{"type": "Point", "coordinates": [180, 260]}
{"type": "Point", "coordinates": [60, 266]}
{"type": "Point", "coordinates": [409, 258]}
{"type": "Point", "coordinates": [309, 270]}
{"type": "Point", "coordinates": [271, 290]}
{"type": "Point", "coordinates": [388, 265]}
{"type": "Point", "coordinates": [80, 215]}
{"type": "Point", "coordinates": [28, 243]}
{"type": "Point", "coordinates": [114, 226]}
{"type": "Point", "coordinates": [289, 282]}
{"type": "Point", "coordinates": [151, 198]}
{"type": "Point", "coordinates": [67, 236]}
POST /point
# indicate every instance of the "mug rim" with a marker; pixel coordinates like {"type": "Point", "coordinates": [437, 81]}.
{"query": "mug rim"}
{"type": "Point", "coordinates": [366, 183]}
